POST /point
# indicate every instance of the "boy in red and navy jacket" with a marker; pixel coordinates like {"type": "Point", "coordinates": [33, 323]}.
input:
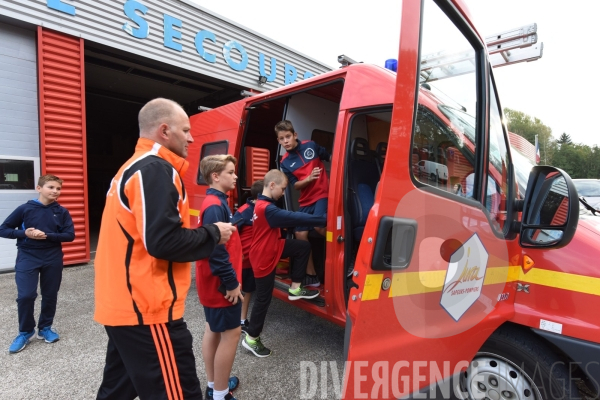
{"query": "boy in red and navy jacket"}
{"type": "Point", "coordinates": [218, 281]}
{"type": "Point", "coordinates": [245, 213]}
{"type": "Point", "coordinates": [268, 248]}
{"type": "Point", "coordinates": [303, 166]}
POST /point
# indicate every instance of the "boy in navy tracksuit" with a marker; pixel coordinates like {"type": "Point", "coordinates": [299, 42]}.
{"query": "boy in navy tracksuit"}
{"type": "Point", "coordinates": [245, 213]}
{"type": "Point", "coordinates": [268, 248]}
{"type": "Point", "coordinates": [39, 226]}
{"type": "Point", "coordinates": [303, 166]}
{"type": "Point", "coordinates": [218, 281]}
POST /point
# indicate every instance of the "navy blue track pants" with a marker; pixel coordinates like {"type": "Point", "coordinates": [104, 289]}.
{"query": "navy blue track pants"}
{"type": "Point", "coordinates": [45, 266]}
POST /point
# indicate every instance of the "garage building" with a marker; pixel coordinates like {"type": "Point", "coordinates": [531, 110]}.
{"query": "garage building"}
{"type": "Point", "coordinates": [74, 74]}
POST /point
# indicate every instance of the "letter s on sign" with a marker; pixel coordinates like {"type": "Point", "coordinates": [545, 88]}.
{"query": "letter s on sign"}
{"type": "Point", "coordinates": [130, 8]}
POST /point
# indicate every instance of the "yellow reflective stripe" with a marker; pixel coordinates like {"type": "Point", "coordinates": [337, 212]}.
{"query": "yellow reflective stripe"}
{"type": "Point", "coordinates": [194, 213]}
{"type": "Point", "coordinates": [562, 280]}
{"type": "Point", "coordinates": [496, 275]}
{"type": "Point", "coordinates": [329, 236]}
{"type": "Point", "coordinates": [372, 287]}
{"type": "Point", "coordinates": [408, 283]}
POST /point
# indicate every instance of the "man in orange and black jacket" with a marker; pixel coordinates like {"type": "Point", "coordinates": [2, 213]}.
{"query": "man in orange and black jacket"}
{"type": "Point", "coordinates": [142, 265]}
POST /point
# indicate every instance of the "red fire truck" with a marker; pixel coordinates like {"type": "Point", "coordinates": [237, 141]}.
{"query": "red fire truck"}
{"type": "Point", "coordinates": [433, 277]}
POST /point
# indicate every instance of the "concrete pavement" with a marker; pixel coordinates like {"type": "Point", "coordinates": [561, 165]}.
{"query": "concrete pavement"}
{"type": "Point", "coordinates": [72, 367]}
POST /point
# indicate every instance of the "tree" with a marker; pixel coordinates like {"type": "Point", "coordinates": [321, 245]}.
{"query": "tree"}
{"type": "Point", "coordinates": [524, 125]}
{"type": "Point", "coordinates": [564, 139]}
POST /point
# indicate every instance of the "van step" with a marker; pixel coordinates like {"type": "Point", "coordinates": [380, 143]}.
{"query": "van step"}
{"type": "Point", "coordinates": [319, 301]}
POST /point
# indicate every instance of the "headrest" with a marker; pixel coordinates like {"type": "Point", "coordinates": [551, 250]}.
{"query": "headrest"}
{"type": "Point", "coordinates": [381, 149]}
{"type": "Point", "coordinates": [359, 150]}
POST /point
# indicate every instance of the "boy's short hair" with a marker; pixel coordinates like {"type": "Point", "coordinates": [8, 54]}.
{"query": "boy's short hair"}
{"type": "Point", "coordinates": [215, 163]}
{"type": "Point", "coordinates": [256, 189]}
{"type": "Point", "coordinates": [49, 178]}
{"type": "Point", "coordinates": [283, 126]}
{"type": "Point", "coordinates": [276, 176]}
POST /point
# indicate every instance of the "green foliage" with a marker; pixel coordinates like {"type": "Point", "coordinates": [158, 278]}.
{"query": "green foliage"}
{"type": "Point", "coordinates": [577, 159]}
{"type": "Point", "coordinates": [524, 125]}
{"type": "Point", "coordinates": [564, 139]}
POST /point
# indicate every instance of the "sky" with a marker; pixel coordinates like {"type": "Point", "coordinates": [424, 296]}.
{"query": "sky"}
{"type": "Point", "coordinates": [558, 89]}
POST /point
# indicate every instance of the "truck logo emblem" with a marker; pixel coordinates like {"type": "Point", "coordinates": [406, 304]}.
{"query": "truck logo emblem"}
{"type": "Point", "coordinates": [464, 277]}
{"type": "Point", "coordinates": [309, 154]}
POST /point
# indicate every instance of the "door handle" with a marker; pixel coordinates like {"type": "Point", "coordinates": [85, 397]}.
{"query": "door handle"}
{"type": "Point", "coordinates": [340, 239]}
{"type": "Point", "coordinates": [394, 244]}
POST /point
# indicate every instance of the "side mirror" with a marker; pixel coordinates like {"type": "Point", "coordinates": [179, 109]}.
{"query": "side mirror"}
{"type": "Point", "coordinates": [550, 209]}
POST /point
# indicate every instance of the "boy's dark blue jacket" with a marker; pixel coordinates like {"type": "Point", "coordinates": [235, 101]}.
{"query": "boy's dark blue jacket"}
{"type": "Point", "coordinates": [219, 259]}
{"type": "Point", "coordinates": [53, 219]}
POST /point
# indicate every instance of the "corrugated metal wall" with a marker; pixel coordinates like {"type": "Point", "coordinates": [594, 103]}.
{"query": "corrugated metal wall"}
{"type": "Point", "coordinates": [62, 129]}
{"type": "Point", "coordinates": [19, 116]}
{"type": "Point", "coordinates": [523, 145]}
{"type": "Point", "coordinates": [102, 21]}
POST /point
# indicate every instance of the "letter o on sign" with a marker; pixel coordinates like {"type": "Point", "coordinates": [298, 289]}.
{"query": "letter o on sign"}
{"type": "Point", "coordinates": [238, 66]}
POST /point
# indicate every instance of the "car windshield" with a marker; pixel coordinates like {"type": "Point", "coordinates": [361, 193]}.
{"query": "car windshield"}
{"type": "Point", "coordinates": [588, 188]}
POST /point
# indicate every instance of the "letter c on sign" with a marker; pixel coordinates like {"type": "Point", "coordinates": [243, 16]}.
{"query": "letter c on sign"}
{"type": "Point", "coordinates": [200, 36]}
{"type": "Point", "coordinates": [238, 66]}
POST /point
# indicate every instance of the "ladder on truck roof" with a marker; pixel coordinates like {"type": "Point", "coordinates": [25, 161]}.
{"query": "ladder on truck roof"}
{"type": "Point", "coordinates": [505, 48]}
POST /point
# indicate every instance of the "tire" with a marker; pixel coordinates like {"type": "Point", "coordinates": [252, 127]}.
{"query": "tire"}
{"type": "Point", "coordinates": [514, 364]}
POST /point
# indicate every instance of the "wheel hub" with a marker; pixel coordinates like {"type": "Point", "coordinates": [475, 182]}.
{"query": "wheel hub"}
{"type": "Point", "coordinates": [491, 377]}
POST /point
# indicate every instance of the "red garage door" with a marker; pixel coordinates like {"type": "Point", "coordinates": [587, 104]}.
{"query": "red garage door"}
{"type": "Point", "coordinates": [61, 82]}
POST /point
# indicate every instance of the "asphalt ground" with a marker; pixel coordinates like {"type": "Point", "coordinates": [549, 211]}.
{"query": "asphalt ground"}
{"type": "Point", "coordinates": [72, 367]}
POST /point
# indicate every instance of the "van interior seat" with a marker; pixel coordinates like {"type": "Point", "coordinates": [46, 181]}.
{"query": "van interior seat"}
{"type": "Point", "coordinates": [363, 176]}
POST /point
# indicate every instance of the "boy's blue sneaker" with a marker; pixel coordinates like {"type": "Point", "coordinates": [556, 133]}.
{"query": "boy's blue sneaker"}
{"type": "Point", "coordinates": [48, 334]}
{"type": "Point", "coordinates": [234, 382]}
{"type": "Point", "coordinates": [229, 396]}
{"type": "Point", "coordinates": [20, 342]}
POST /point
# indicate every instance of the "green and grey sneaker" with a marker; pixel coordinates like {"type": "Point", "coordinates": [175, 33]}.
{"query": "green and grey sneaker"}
{"type": "Point", "coordinates": [302, 293]}
{"type": "Point", "coordinates": [256, 347]}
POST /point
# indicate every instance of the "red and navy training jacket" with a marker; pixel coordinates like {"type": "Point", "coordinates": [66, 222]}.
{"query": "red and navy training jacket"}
{"type": "Point", "coordinates": [224, 265]}
{"type": "Point", "coordinates": [267, 244]}
{"type": "Point", "coordinates": [299, 162]}
{"type": "Point", "coordinates": [245, 229]}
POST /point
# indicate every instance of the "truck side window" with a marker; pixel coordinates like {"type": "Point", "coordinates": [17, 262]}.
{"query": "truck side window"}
{"type": "Point", "coordinates": [444, 138]}
{"type": "Point", "coordinates": [210, 149]}
{"type": "Point", "coordinates": [498, 173]}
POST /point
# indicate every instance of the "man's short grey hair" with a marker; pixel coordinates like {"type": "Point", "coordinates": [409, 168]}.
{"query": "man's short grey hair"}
{"type": "Point", "coordinates": [156, 112]}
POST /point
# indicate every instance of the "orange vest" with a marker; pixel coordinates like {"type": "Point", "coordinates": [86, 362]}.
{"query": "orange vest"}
{"type": "Point", "coordinates": [131, 286]}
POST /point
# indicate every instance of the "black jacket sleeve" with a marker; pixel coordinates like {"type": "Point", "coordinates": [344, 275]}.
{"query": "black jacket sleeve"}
{"type": "Point", "coordinates": [165, 236]}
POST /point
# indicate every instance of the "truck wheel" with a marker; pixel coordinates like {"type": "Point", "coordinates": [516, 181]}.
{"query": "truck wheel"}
{"type": "Point", "coordinates": [515, 364]}
{"type": "Point", "coordinates": [432, 177]}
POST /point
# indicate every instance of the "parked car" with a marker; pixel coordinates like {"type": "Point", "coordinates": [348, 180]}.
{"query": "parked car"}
{"type": "Point", "coordinates": [589, 189]}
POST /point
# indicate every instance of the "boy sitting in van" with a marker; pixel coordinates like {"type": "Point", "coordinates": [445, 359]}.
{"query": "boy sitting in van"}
{"type": "Point", "coordinates": [218, 281]}
{"type": "Point", "coordinates": [268, 248]}
{"type": "Point", "coordinates": [245, 213]}
{"type": "Point", "coordinates": [303, 166]}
